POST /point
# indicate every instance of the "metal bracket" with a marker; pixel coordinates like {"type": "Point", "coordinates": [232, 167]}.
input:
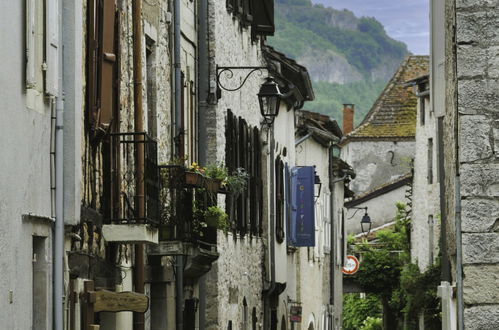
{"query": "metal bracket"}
{"type": "Point", "coordinates": [229, 70]}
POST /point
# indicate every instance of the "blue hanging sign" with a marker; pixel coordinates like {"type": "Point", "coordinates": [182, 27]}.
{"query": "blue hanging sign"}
{"type": "Point", "coordinates": [302, 206]}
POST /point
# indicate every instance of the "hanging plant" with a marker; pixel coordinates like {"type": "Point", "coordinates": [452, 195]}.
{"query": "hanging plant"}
{"type": "Point", "coordinates": [215, 217]}
{"type": "Point", "coordinates": [237, 182]}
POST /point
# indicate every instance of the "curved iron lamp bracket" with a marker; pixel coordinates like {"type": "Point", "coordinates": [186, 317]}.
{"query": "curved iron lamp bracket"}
{"type": "Point", "coordinates": [229, 74]}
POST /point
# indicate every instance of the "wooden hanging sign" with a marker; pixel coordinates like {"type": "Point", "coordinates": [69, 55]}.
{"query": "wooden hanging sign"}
{"type": "Point", "coordinates": [108, 301]}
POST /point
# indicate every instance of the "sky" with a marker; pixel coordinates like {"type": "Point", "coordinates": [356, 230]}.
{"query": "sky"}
{"type": "Point", "coordinates": [404, 20]}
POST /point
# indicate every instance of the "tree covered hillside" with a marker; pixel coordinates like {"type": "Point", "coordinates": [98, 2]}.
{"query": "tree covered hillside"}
{"type": "Point", "coordinates": [349, 59]}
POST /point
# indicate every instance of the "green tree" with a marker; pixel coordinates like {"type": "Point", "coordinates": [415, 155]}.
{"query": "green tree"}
{"type": "Point", "coordinates": [387, 272]}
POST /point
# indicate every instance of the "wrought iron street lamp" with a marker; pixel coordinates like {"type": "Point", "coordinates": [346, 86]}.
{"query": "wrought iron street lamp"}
{"type": "Point", "coordinates": [318, 186]}
{"type": "Point", "coordinates": [270, 100]}
{"type": "Point", "coordinates": [269, 95]}
{"type": "Point", "coordinates": [365, 224]}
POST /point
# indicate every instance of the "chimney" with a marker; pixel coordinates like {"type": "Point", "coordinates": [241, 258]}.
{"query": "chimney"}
{"type": "Point", "coordinates": [348, 111]}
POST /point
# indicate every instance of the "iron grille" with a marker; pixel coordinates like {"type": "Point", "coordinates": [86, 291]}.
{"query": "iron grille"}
{"type": "Point", "coordinates": [137, 207]}
{"type": "Point", "coordinates": [181, 207]}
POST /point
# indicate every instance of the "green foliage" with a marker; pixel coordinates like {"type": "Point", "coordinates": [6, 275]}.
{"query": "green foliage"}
{"type": "Point", "coordinates": [386, 271]}
{"type": "Point", "coordinates": [237, 181]}
{"type": "Point", "coordinates": [302, 27]}
{"type": "Point", "coordinates": [217, 172]}
{"type": "Point", "coordinates": [364, 47]}
{"type": "Point", "coordinates": [420, 292]}
{"type": "Point", "coordinates": [357, 310]}
{"type": "Point", "coordinates": [217, 218]}
{"type": "Point", "coordinates": [372, 323]}
{"type": "Point", "coordinates": [330, 97]}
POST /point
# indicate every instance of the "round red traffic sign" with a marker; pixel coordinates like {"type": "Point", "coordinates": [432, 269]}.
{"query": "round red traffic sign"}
{"type": "Point", "coordinates": [351, 265]}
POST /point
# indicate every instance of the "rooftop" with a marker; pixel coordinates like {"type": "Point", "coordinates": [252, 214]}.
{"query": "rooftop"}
{"type": "Point", "coordinates": [393, 115]}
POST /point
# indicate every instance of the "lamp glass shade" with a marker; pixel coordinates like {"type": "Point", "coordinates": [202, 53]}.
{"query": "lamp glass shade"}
{"type": "Point", "coordinates": [366, 222]}
{"type": "Point", "coordinates": [269, 98]}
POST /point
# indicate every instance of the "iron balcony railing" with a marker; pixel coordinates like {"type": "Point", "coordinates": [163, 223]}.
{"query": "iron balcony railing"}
{"type": "Point", "coordinates": [184, 196]}
{"type": "Point", "coordinates": [137, 179]}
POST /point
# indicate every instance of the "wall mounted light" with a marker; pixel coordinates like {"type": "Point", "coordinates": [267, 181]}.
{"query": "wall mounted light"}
{"type": "Point", "coordinates": [269, 96]}
{"type": "Point", "coordinates": [365, 222]}
{"type": "Point", "coordinates": [317, 185]}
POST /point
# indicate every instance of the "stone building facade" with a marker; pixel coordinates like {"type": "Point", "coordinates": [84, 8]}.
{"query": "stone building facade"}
{"type": "Point", "coordinates": [382, 148]}
{"type": "Point", "coordinates": [464, 78]}
{"type": "Point", "coordinates": [314, 279]}
{"type": "Point", "coordinates": [128, 224]}
{"type": "Point", "coordinates": [425, 217]}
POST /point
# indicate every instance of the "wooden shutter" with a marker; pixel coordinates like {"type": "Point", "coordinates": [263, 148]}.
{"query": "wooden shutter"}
{"type": "Point", "coordinates": [253, 210]}
{"type": "Point", "coordinates": [107, 64]}
{"type": "Point", "coordinates": [52, 47]}
{"type": "Point", "coordinates": [230, 5]}
{"type": "Point", "coordinates": [30, 44]}
{"type": "Point", "coordinates": [229, 159]}
{"type": "Point", "coordinates": [279, 200]}
{"type": "Point", "coordinates": [258, 171]}
{"type": "Point", "coordinates": [247, 17]}
{"type": "Point", "coordinates": [240, 153]}
{"type": "Point", "coordinates": [92, 64]}
{"type": "Point", "coordinates": [263, 17]}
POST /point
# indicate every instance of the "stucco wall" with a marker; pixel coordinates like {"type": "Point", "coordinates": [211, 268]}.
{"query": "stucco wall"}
{"type": "Point", "coordinates": [381, 210]}
{"type": "Point", "coordinates": [425, 201]}
{"type": "Point", "coordinates": [377, 162]}
{"type": "Point", "coordinates": [25, 172]}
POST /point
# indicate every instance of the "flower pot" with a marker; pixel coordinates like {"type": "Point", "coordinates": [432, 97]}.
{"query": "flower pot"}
{"type": "Point", "coordinates": [194, 179]}
{"type": "Point", "coordinates": [213, 185]}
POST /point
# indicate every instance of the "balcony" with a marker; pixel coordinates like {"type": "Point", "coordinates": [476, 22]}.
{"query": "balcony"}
{"type": "Point", "coordinates": [183, 230]}
{"type": "Point", "coordinates": [135, 190]}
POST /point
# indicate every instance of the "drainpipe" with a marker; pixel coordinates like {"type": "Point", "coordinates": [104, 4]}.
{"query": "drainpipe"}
{"type": "Point", "coordinates": [179, 263]}
{"type": "Point", "coordinates": [332, 182]}
{"type": "Point", "coordinates": [138, 318]}
{"type": "Point", "coordinates": [459, 257]}
{"type": "Point", "coordinates": [59, 193]}
{"type": "Point", "coordinates": [203, 92]}
{"type": "Point", "coordinates": [445, 267]}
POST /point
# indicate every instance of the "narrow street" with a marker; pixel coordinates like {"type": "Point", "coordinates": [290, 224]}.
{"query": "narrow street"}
{"type": "Point", "coordinates": [249, 164]}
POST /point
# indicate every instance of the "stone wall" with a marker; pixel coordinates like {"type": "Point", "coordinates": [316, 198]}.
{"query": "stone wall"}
{"type": "Point", "coordinates": [425, 217]}
{"type": "Point", "coordinates": [237, 274]}
{"type": "Point", "coordinates": [377, 162]}
{"type": "Point", "coordinates": [477, 84]}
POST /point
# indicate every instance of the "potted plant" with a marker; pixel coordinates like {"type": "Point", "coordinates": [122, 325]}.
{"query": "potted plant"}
{"type": "Point", "coordinates": [217, 174]}
{"type": "Point", "coordinates": [237, 181]}
{"type": "Point", "coordinates": [194, 175]}
{"type": "Point", "coordinates": [215, 217]}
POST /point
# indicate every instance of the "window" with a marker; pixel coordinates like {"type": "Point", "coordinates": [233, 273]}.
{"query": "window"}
{"type": "Point", "coordinates": [40, 284]}
{"type": "Point", "coordinates": [254, 319]}
{"type": "Point", "coordinates": [263, 17]}
{"type": "Point", "coordinates": [430, 161]}
{"type": "Point", "coordinates": [241, 9]}
{"type": "Point", "coordinates": [422, 110]}
{"type": "Point", "coordinates": [327, 222]}
{"type": "Point", "coordinates": [245, 315]}
{"type": "Point", "coordinates": [279, 199]}
{"type": "Point", "coordinates": [430, 238]}
{"type": "Point", "coordinates": [101, 64]}
{"type": "Point", "coordinates": [151, 87]}
{"type": "Point", "coordinates": [243, 151]}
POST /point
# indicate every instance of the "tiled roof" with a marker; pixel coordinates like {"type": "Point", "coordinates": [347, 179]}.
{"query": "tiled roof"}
{"type": "Point", "coordinates": [323, 128]}
{"type": "Point", "coordinates": [393, 115]}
